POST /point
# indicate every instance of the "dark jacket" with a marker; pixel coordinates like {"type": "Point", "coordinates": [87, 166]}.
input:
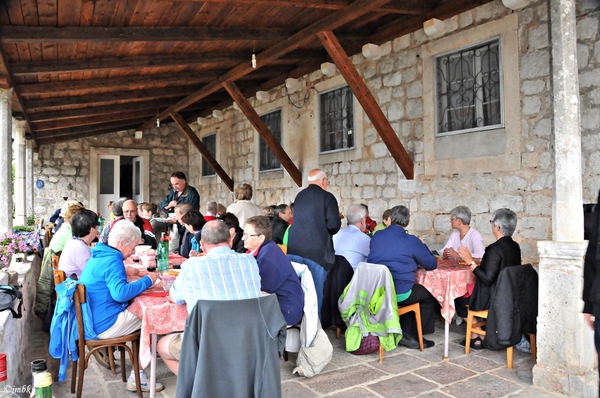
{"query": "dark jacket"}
{"type": "Point", "coordinates": [279, 227]}
{"type": "Point", "coordinates": [337, 279]}
{"type": "Point", "coordinates": [499, 255]}
{"type": "Point", "coordinates": [514, 307]}
{"type": "Point", "coordinates": [278, 276]}
{"type": "Point", "coordinates": [189, 195]}
{"type": "Point", "coordinates": [232, 349]}
{"type": "Point", "coordinates": [237, 245]}
{"type": "Point", "coordinates": [591, 274]}
{"type": "Point", "coordinates": [316, 220]}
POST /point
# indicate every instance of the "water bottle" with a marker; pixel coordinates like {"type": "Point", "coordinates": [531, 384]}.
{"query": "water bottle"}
{"type": "Point", "coordinates": [162, 254]}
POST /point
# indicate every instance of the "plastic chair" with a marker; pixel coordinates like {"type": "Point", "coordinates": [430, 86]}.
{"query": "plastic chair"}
{"type": "Point", "coordinates": [79, 297]}
{"type": "Point", "coordinates": [472, 328]}
{"type": "Point", "coordinates": [416, 308]}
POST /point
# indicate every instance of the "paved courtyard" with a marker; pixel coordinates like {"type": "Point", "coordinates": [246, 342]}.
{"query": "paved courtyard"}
{"type": "Point", "coordinates": [403, 373]}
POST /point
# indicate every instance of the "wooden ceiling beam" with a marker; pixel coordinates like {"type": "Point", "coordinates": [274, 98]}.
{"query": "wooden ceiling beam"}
{"type": "Point", "coordinates": [103, 110]}
{"type": "Point", "coordinates": [123, 83]}
{"type": "Point", "coordinates": [264, 132]}
{"type": "Point", "coordinates": [57, 124]}
{"type": "Point", "coordinates": [137, 63]}
{"type": "Point", "coordinates": [94, 34]}
{"type": "Point", "coordinates": [92, 133]}
{"type": "Point", "coordinates": [339, 18]}
{"type": "Point", "coordinates": [124, 96]}
{"type": "Point", "coordinates": [322, 4]}
{"type": "Point", "coordinates": [70, 131]}
{"type": "Point", "coordinates": [368, 102]}
{"type": "Point", "coordinates": [197, 142]}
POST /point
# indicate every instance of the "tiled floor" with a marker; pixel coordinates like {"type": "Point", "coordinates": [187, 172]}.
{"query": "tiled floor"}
{"type": "Point", "coordinates": [403, 373]}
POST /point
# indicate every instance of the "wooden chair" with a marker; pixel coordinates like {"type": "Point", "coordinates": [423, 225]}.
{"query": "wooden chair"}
{"type": "Point", "coordinates": [59, 277]}
{"type": "Point", "coordinates": [94, 345]}
{"type": "Point", "coordinates": [473, 328]}
{"type": "Point", "coordinates": [55, 260]}
{"type": "Point", "coordinates": [416, 308]}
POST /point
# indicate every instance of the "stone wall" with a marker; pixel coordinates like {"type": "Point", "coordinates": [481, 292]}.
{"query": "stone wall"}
{"type": "Point", "coordinates": [520, 179]}
{"type": "Point", "coordinates": [65, 163]}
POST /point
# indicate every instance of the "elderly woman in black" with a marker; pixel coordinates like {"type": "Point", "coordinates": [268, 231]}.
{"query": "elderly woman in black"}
{"type": "Point", "coordinates": [505, 252]}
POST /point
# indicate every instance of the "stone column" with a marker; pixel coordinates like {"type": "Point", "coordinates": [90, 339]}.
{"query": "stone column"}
{"type": "Point", "coordinates": [19, 154]}
{"type": "Point", "coordinates": [565, 356]}
{"type": "Point", "coordinates": [6, 202]}
{"type": "Point", "coordinates": [29, 189]}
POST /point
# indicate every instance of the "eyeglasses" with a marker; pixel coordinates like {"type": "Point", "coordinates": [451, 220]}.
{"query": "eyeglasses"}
{"type": "Point", "coordinates": [246, 236]}
{"type": "Point", "coordinates": [453, 218]}
{"type": "Point", "coordinates": [492, 222]}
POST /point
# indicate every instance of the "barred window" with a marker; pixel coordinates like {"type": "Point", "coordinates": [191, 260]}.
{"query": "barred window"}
{"type": "Point", "coordinates": [268, 160]}
{"type": "Point", "coordinates": [468, 89]}
{"type": "Point", "coordinates": [210, 142]}
{"type": "Point", "coordinates": [337, 120]}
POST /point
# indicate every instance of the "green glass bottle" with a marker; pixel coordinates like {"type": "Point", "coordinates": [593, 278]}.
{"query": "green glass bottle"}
{"type": "Point", "coordinates": [162, 254]}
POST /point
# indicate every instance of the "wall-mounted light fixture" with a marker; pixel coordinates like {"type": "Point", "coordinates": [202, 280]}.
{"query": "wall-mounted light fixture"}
{"type": "Point", "coordinates": [138, 135]}
{"type": "Point", "coordinates": [262, 96]}
{"type": "Point", "coordinates": [433, 27]}
{"type": "Point", "coordinates": [201, 121]}
{"type": "Point", "coordinates": [217, 114]}
{"type": "Point", "coordinates": [328, 68]}
{"type": "Point", "coordinates": [371, 51]}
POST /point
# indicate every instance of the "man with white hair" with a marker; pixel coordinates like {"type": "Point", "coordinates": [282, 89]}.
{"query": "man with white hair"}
{"type": "Point", "coordinates": [316, 220]}
{"type": "Point", "coordinates": [105, 278]}
{"type": "Point", "coordinates": [212, 208]}
{"type": "Point", "coordinates": [351, 242]}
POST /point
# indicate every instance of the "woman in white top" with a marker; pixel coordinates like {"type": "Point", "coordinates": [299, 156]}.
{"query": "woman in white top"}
{"type": "Point", "coordinates": [74, 257]}
{"type": "Point", "coordinates": [463, 235]}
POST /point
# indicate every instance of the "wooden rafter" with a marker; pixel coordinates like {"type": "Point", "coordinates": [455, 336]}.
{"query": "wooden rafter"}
{"type": "Point", "coordinates": [48, 34]}
{"type": "Point", "coordinates": [333, 21]}
{"type": "Point", "coordinates": [197, 142]}
{"type": "Point", "coordinates": [368, 102]}
{"type": "Point", "coordinates": [264, 132]}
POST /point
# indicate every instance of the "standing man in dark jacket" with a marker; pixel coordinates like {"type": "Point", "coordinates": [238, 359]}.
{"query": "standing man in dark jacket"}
{"type": "Point", "coordinates": [180, 193]}
{"type": "Point", "coordinates": [591, 278]}
{"type": "Point", "coordinates": [316, 220]}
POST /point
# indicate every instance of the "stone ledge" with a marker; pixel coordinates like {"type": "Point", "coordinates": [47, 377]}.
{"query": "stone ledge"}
{"type": "Point", "coordinates": [14, 333]}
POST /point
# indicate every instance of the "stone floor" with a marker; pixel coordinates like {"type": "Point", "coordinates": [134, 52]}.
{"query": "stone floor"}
{"type": "Point", "coordinates": [403, 373]}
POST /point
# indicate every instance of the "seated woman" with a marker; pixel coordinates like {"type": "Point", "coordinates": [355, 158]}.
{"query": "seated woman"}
{"type": "Point", "coordinates": [84, 225]}
{"type": "Point", "coordinates": [463, 235]}
{"type": "Point", "coordinates": [194, 221]}
{"type": "Point", "coordinates": [505, 252]}
{"type": "Point", "coordinates": [277, 275]}
{"type": "Point", "coordinates": [403, 253]}
{"type": "Point", "coordinates": [237, 244]}
{"type": "Point", "coordinates": [385, 221]}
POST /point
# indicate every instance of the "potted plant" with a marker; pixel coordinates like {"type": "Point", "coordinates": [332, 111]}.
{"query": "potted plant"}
{"type": "Point", "coordinates": [15, 244]}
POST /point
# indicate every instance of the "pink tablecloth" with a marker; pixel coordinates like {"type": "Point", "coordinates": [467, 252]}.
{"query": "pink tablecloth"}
{"type": "Point", "coordinates": [174, 259]}
{"type": "Point", "coordinates": [159, 316]}
{"type": "Point", "coordinates": [446, 283]}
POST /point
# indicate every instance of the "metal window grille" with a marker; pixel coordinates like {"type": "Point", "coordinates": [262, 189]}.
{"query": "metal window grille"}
{"type": "Point", "coordinates": [268, 160]}
{"type": "Point", "coordinates": [469, 93]}
{"type": "Point", "coordinates": [210, 142]}
{"type": "Point", "coordinates": [337, 120]}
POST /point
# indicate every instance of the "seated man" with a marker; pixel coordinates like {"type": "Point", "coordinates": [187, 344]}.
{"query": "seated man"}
{"type": "Point", "coordinates": [105, 279]}
{"type": "Point", "coordinates": [402, 253]}
{"type": "Point", "coordinates": [351, 242]}
{"type": "Point", "coordinates": [221, 274]}
{"type": "Point", "coordinates": [277, 274]}
{"type": "Point", "coordinates": [281, 222]}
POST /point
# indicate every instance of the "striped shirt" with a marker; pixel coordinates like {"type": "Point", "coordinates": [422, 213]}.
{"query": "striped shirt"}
{"type": "Point", "coordinates": [220, 275]}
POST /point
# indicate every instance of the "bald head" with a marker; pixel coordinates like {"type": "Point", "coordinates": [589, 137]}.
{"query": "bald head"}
{"type": "Point", "coordinates": [130, 210]}
{"type": "Point", "coordinates": [318, 177]}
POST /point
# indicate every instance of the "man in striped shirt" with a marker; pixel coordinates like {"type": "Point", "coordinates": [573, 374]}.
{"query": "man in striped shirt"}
{"type": "Point", "coordinates": [221, 274]}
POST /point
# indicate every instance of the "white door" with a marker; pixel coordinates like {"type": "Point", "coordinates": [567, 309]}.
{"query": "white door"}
{"type": "Point", "coordinates": [109, 182]}
{"type": "Point", "coordinates": [138, 166]}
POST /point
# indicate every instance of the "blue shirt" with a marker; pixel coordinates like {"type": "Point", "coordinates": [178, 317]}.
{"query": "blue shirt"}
{"type": "Point", "coordinates": [220, 275]}
{"type": "Point", "coordinates": [107, 287]}
{"type": "Point", "coordinates": [353, 244]}
{"type": "Point", "coordinates": [402, 253]}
